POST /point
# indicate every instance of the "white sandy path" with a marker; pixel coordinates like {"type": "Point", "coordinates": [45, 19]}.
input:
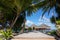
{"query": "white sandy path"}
{"type": "Point", "coordinates": [34, 35]}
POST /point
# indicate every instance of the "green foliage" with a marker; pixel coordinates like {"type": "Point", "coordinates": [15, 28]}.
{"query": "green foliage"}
{"type": "Point", "coordinates": [16, 29]}
{"type": "Point", "coordinates": [58, 22]}
{"type": "Point", "coordinates": [55, 20]}
{"type": "Point", "coordinates": [0, 38]}
{"type": "Point", "coordinates": [13, 8]}
{"type": "Point", "coordinates": [7, 34]}
{"type": "Point", "coordinates": [53, 32]}
{"type": "Point", "coordinates": [58, 28]}
{"type": "Point", "coordinates": [10, 8]}
{"type": "Point", "coordinates": [30, 29]}
{"type": "Point", "coordinates": [47, 6]}
{"type": "Point", "coordinates": [58, 11]}
{"type": "Point", "coordinates": [1, 31]}
{"type": "Point", "coordinates": [52, 19]}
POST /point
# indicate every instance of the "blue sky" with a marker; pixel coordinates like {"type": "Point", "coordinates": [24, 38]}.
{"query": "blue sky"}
{"type": "Point", "coordinates": [36, 19]}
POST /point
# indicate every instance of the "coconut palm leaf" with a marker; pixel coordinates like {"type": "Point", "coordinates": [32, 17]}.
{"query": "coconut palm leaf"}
{"type": "Point", "coordinates": [52, 19]}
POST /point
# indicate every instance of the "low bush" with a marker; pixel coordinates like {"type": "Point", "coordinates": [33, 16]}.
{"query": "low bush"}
{"type": "Point", "coordinates": [7, 34]}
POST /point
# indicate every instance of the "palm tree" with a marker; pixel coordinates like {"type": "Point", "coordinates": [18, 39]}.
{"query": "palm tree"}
{"type": "Point", "coordinates": [28, 7]}
{"type": "Point", "coordinates": [57, 22]}
{"type": "Point", "coordinates": [18, 7]}
{"type": "Point", "coordinates": [52, 4]}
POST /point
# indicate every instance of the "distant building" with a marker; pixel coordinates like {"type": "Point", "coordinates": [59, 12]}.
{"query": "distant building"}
{"type": "Point", "coordinates": [43, 28]}
{"type": "Point", "coordinates": [26, 27]}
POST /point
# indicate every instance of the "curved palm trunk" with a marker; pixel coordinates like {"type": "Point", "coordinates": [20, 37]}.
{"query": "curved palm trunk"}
{"type": "Point", "coordinates": [22, 30]}
{"type": "Point", "coordinates": [14, 21]}
{"type": "Point", "coordinates": [18, 14]}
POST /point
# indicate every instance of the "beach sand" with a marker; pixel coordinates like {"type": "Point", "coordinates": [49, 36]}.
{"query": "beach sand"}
{"type": "Point", "coordinates": [33, 36]}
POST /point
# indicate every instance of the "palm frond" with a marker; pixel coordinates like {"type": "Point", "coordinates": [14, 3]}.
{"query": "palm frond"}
{"type": "Point", "coordinates": [52, 19]}
{"type": "Point", "coordinates": [45, 9]}
{"type": "Point", "coordinates": [36, 6]}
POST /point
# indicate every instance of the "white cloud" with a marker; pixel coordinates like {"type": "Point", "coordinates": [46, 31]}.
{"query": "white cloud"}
{"type": "Point", "coordinates": [44, 19]}
{"type": "Point", "coordinates": [39, 23]}
{"type": "Point", "coordinates": [28, 22]}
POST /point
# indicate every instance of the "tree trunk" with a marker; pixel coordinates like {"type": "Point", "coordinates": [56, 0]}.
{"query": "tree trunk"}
{"type": "Point", "coordinates": [22, 30]}
{"type": "Point", "coordinates": [14, 21]}
{"type": "Point", "coordinates": [18, 14]}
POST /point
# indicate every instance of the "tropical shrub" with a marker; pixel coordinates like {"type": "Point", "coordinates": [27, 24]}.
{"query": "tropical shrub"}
{"type": "Point", "coordinates": [0, 38]}
{"type": "Point", "coordinates": [7, 34]}
{"type": "Point", "coordinates": [53, 32]}
{"type": "Point", "coordinates": [30, 29]}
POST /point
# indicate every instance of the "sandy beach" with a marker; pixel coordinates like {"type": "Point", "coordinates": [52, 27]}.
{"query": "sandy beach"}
{"type": "Point", "coordinates": [33, 36]}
